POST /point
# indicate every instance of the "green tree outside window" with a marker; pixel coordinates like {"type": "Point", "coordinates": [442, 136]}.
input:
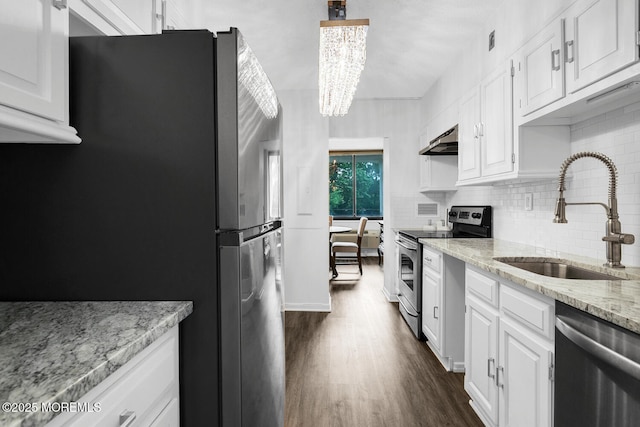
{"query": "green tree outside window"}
{"type": "Point", "coordinates": [355, 185]}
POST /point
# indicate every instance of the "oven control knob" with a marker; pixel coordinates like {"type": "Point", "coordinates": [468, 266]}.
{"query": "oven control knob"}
{"type": "Point", "coordinates": [476, 215]}
{"type": "Point", "coordinates": [453, 214]}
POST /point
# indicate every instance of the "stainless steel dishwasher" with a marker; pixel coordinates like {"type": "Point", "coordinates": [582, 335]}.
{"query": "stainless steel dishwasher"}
{"type": "Point", "coordinates": [597, 379]}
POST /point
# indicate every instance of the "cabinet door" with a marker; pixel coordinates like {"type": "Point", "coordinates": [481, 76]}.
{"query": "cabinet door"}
{"type": "Point", "coordinates": [469, 137]}
{"type": "Point", "coordinates": [438, 173]}
{"type": "Point", "coordinates": [169, 417]}
{"type": "Point", "coordinates": [126, 16]}
{"type": "Point", "coordinates": [496, 134]}
{"type": "Point", "coordinates": [431, 309]}
{"type": "Point", "coordinates": [175, 16]}
{"type": "Point", "coordinates": [481, 352]}
{"type": "Point", "coordinates": [524, 378]}
{"type": "Point", "coordinates": [540, 69]}
{"type": "Point", "coordinates": [600, 39]}
{"type": "Point", "coordinates": [33, 58]}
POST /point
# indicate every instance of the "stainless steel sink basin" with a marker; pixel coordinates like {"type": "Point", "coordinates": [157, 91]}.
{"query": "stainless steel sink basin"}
{"type": "Point", "coordinates": [556, 268]}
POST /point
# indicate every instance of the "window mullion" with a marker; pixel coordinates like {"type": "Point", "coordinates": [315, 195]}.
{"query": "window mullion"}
{"type": "Point", "coordinates": [355, 185]}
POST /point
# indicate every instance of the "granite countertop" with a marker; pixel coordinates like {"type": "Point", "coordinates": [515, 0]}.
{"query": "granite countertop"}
{"type": "Point", "coordinates": [617, 301]}
{"type": "Point", "coordinates": [58, 351]}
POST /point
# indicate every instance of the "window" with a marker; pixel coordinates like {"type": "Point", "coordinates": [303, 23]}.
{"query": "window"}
{"type": "Point", "coordinates": [355, 185]}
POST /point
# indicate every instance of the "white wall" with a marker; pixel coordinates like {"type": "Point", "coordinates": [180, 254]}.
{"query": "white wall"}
{"type": "Point", "coordinates": [306, 202]}
{"type": "Point", "coordinates": [398, 121]}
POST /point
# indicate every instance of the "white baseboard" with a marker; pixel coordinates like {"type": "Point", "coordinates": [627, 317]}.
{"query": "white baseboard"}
{"type": "Point", "coordinates": [458, 367]}
{"type": "Point", "coordinates": [308, 307]}
{"type": "Point", "coordinates": [390, 297]}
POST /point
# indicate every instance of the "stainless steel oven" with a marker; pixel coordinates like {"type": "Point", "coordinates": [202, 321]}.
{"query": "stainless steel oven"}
{"type": "Point", "coordinates": [409, 275]}
{"type": "Point", "coordinates": [597, 380]}
{"type": "Point", "coordinates": [466, 222]}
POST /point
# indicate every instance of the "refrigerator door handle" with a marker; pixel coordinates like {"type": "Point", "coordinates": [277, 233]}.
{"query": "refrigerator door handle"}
{"type": "Point", "coordinates": [239, 237]}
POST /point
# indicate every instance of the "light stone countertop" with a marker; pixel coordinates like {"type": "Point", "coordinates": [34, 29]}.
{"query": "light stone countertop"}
{"type": "Point", "coordinates": [617, 301]}
{"type": "Point", "coordinates": [58, 351]}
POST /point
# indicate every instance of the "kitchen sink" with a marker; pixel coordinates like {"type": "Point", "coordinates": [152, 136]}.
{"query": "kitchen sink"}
{"type": "Point", "coordinates": [553, 267]}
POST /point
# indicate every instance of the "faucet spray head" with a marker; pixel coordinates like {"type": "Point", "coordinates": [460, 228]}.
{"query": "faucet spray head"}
{"type": "Point", "coordinates": [560, 217]}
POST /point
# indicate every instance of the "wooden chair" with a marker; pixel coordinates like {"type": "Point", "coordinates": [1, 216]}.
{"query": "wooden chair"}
{"type": "Point", "coordinates": [349, 247]}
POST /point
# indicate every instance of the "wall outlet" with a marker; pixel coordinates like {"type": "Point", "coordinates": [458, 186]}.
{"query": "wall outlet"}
{"type": "Point", "coordinates": [528, 201]}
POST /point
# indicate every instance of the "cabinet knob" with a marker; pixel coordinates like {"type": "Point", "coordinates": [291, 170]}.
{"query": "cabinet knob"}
{"type": "Point", "coordinates": [60, 4]}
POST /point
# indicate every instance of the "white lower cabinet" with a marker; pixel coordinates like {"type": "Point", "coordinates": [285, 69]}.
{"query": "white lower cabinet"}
{"type": "Point", "coordinates": [524, 377]}
{"type": "Point", "coordinates": [509, 352]}
{"type": "Point", "coordinates": [481, 353]}
{"type": "Point", "coordinates": [145, 390]}
{"type": "Point", "coordinates": [443, 307]}
{"type": "Point", "coordinates": [169, 417]}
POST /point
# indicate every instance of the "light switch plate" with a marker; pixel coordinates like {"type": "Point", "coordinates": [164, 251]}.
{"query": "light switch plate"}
{"type": "Point", "coordinates": [528, 201]}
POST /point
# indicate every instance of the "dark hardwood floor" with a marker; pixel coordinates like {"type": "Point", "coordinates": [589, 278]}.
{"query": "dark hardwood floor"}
{"type": "Point", "coordinates": [360, 365]}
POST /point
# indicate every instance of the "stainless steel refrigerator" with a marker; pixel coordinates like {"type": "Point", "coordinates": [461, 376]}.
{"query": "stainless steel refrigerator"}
{"type": "Point", "coordinates": [173, 194]}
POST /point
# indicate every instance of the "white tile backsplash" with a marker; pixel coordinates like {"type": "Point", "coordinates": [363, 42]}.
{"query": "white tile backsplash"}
{"type": "Point", "coordinates": [617, 135]}
{"type": "Point", "coordinates": [404, 209]}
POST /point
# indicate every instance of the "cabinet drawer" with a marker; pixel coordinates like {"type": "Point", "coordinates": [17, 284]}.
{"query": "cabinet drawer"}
{"type": "Point", "coordinates": [431, 259]}
{"type": "Point", "coordinates": [145, 386]}
{"type": "Point", "coordinates": [531, 311]}
{"type": "Point", "coordinates": [481, 286]}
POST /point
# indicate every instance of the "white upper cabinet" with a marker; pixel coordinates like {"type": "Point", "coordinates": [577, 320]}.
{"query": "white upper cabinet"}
{"type": "Point", "coordinates": [485, 133]}
{"type": "Point", "coordinates": [496, 127]}
{"type": "Point", "coordinates": [600, 39]}
{"type": "Point", "coordinates": [32, 64]}
{"type": "Point", "coordinates": [174, 16]}
{"type": "Point", "coordinates": [468, 137]}
{"type": "Point", "coordinates": [34, 72]}
{"type": "Point", "coordinates": [130, 17]}
{"type": "Point", "coordinates": [560, 72]}
{"type": "Point", "coordinates": [540, 68]}
{"type": "Point", "coordinates": [125, 16]}
{"type": "Point", "coordinates": [438, 173]}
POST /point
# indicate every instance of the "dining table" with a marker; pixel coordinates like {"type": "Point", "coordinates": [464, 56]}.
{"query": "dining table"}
{"type": "Point", "coordinates": [338, 229]}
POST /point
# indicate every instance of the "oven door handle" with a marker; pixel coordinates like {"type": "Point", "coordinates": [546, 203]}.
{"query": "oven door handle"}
{"type": "Point", "coordinates": [405, 246]}
{"type": "Point", "coordinates": [598, 350]}
{"type": "Point", "coordinates": [411, 312]}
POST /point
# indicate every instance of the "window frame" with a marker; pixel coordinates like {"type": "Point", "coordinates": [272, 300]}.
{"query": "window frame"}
{"type": "Point", "coordinates": [354, 154]}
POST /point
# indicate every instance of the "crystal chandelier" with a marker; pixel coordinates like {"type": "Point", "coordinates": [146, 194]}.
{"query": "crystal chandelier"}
{"type": "Point", "coordinates": [343, 52]}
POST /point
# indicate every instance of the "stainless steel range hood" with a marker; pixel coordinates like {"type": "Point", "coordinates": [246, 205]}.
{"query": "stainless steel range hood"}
{"type": "Point", "coordinates": [445, 144]}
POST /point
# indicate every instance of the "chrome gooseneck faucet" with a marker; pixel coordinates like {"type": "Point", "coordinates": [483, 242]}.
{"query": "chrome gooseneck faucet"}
{"type": "Point", "coordinates": [614, 238]}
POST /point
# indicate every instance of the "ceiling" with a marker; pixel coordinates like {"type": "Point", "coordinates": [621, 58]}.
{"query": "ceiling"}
{"type": "Point", "coordinates": [409, 43]}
